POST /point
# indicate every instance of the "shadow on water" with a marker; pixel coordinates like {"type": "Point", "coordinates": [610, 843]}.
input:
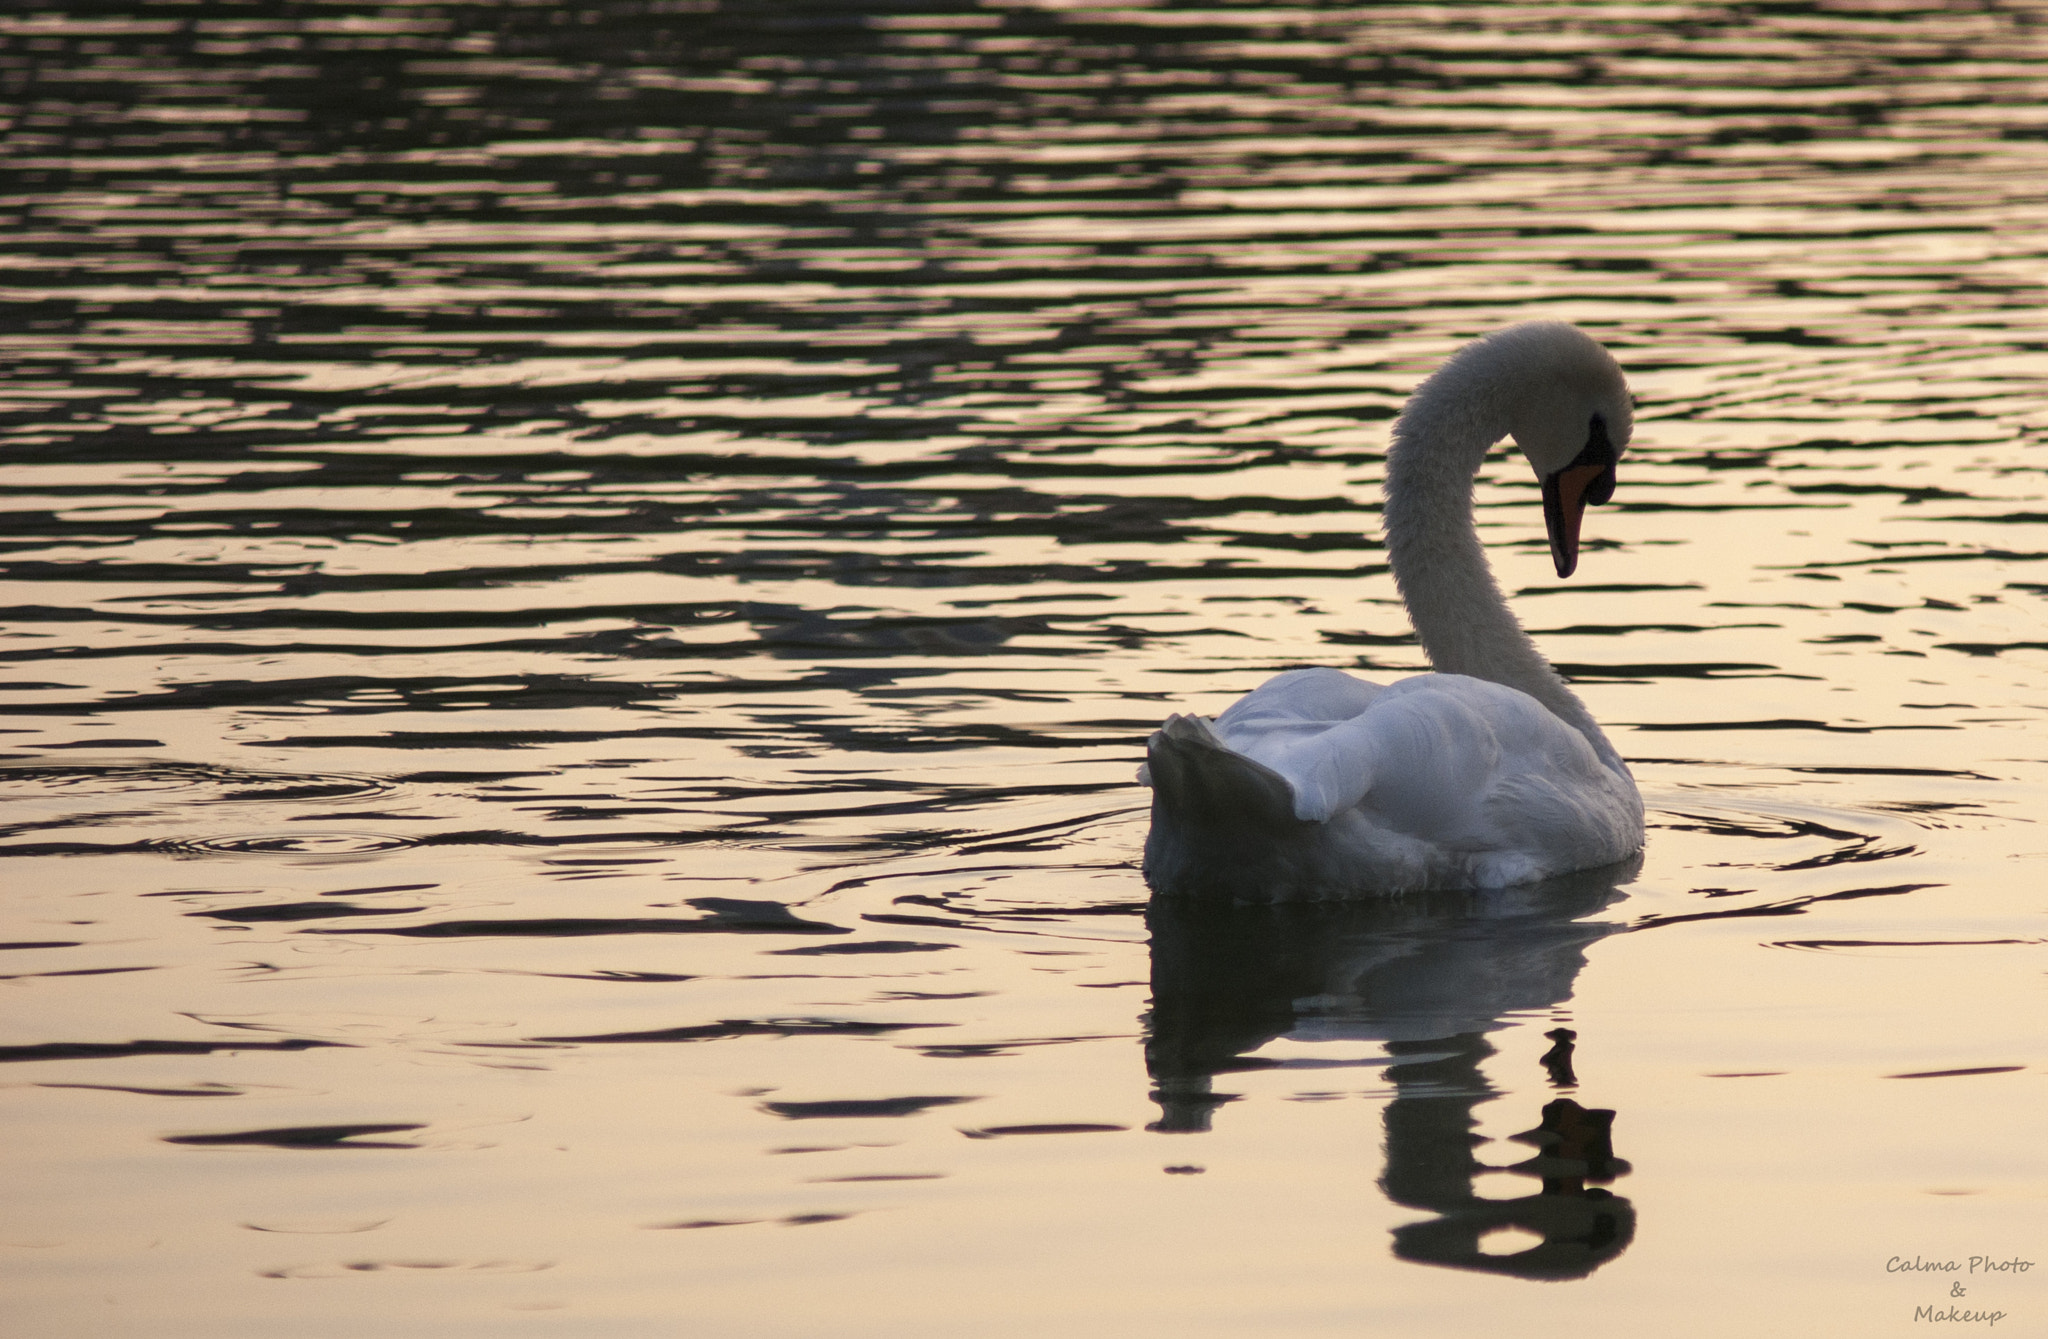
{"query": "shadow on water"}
{"type": "Point", "coordinates": [1428, 978]}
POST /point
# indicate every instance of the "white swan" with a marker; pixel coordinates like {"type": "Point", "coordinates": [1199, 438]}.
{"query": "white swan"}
{"type": "Point", "coordinates": [1487, 773]}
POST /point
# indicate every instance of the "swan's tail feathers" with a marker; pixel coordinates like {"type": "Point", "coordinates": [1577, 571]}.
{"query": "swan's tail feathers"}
{"type": "Point", "coordinates": [1200, 780]}
{"type": "Point", "coordinates": [1213, 810]}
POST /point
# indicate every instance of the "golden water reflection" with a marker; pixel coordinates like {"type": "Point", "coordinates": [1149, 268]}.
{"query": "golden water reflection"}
{"type": "Point", "coordinates": [526, 526]}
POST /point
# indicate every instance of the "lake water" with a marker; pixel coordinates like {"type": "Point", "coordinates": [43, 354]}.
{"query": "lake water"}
{"type": "Point", "coordinates": [585, 586]}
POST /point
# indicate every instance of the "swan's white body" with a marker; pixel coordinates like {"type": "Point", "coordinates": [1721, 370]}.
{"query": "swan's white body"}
{"type": "Point", "coordinates": [1488, 773]}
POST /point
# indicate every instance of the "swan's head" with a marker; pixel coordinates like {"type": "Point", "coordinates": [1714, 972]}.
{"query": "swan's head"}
{"type": "Point", "coordinates": [1568, 408]}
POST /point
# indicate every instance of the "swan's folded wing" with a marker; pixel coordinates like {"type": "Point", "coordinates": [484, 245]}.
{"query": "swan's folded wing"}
{"type": "Point", "coordinates": [1422, 756]}
{"type": "Point", "coordinates": [1310, 697]}
{"type": "Point", "coordinates": [1327, 770]}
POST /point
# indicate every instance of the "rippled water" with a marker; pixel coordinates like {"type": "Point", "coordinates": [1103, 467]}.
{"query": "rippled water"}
{"type": "Point", "coordinates": [585, 585]}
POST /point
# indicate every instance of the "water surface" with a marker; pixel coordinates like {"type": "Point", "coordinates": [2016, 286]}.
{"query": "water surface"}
{"type": "Point", "coordinates": [584, 587]}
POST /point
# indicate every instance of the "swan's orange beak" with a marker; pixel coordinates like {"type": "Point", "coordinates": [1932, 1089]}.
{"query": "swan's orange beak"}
{"type": "Point", "coordinates": [1565, 495]}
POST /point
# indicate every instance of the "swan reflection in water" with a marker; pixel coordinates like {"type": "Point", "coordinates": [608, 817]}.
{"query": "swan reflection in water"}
{"type": "Point", "coordinates": [1427, 976]}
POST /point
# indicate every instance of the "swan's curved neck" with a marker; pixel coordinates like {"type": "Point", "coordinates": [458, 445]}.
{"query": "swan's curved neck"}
{"type": "Point", "coordinates": [1440, 441]}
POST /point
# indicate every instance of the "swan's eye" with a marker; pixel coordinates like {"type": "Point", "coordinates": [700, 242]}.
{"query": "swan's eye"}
{"type": "Point", "coordinates": [1597, 451]}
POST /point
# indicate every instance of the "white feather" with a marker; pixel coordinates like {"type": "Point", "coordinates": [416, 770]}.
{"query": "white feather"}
{"type": "Point", "coordinates": [1318, 784]}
